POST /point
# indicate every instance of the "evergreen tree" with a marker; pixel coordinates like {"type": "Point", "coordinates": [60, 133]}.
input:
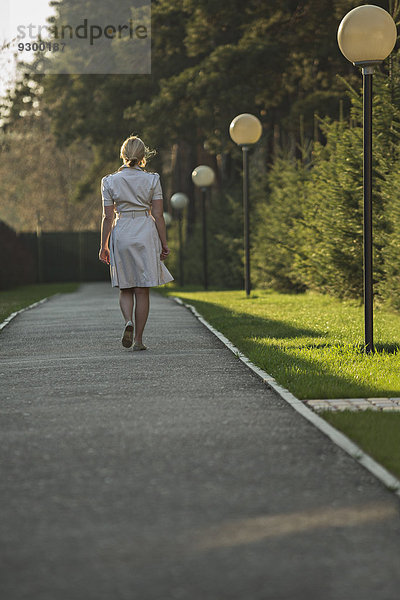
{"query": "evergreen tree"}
{"type": "Point", "coordinates": [277, 243]}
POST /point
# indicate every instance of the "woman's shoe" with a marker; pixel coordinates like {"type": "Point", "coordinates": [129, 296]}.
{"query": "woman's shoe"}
{"type": "Point", "coordinates": [127, 338]}
{"type": "Point", "coordinates": [137, 346]}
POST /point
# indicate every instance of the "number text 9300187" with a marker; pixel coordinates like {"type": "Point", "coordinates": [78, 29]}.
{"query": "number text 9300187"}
{"type": "Point", "coordinates": [41, 46]}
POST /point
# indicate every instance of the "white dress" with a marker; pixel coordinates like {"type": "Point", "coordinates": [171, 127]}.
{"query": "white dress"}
{"type": "Point", "coordinates": [135, 245]}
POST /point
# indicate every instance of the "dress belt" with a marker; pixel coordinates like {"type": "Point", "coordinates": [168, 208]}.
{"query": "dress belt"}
{"type": "Point", "coordinates": [133, 213]}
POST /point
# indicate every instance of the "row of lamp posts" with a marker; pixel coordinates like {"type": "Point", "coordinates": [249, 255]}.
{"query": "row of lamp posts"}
{"type": "Point", "coordinates": [203, 177]}
{"type": "Point", "coordinates": [366, 36]}
{"type": "Point", "coordinates": [245, 130]}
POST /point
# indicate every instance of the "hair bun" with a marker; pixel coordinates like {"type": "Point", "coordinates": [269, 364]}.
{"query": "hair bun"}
{"type": "Point", "coordinates": [134, 152]}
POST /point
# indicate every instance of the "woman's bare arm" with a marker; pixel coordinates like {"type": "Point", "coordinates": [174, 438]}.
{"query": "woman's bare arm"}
{"type": "Point", "coordinates": [157, 213]}
{"type": "Point", "coordinates": [106, 226]}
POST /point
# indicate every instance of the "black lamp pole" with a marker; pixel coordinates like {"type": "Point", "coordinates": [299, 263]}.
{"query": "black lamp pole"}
{"type": "Point", "coordinates": [181, 283]}
{"type": "Point", "coordinates": [205, 258]}
{"type": "Point", "coordinates": [366, 36]}
{"type": "Point", "coordinates": [247, 282]}
{"type": "Point", "coordinates": [367, 185]}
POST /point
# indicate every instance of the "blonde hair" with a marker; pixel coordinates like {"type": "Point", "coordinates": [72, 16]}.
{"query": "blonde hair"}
{"type": "Point", "coordinates": [134, 152]}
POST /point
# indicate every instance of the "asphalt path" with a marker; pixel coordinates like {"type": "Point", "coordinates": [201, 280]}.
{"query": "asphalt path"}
{"type": "Point", "coordinates": [172, 473]}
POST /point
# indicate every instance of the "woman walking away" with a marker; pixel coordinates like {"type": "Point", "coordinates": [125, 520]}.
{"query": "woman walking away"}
{"type": "Point", "coordinates": [133, 236]}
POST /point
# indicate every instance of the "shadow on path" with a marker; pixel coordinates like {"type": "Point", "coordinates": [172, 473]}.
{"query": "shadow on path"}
{"type": "Point", "coordinates": [255, 336]}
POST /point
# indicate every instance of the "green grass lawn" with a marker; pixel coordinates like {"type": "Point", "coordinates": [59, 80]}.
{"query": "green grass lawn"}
{"type": "Point", "coordinates": [20, 297]}
{"type": "Point", "coordinates": [310, 343]}
{"type": "Point", "coordinates": [377, 433]}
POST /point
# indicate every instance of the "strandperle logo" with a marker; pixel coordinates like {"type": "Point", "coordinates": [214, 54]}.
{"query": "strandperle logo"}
{"type": "Point", "coordinates": [84, 31]}
{"type": "Point", "coordinates": [104, 37]}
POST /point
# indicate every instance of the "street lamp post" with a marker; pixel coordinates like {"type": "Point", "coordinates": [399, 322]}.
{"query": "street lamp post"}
{"type": "Point", "coordinates": [203, 177]}
{"type": "Point", "coordinates": [366, 36]}
{"type": "Point", "coordinates": [179, 201]}
{"type": "Point", "coordinates": [245, 130]}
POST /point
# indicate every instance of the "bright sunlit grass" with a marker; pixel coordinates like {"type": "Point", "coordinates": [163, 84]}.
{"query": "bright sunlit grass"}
{"type": "Point", "coordinates": [377, 433]}
{"type": "Point", "coordinates": [310, 343]}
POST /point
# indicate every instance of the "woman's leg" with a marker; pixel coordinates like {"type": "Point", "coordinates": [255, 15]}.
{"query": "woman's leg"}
{"type": "Point", "coordinates": [142, 295]}
{"type": "Point", "coordinates": [126, 303]}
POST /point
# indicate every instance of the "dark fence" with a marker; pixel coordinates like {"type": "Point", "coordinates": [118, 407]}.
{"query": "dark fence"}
{"type": "Point", "coordinates": [17, 264]}
{"type": "Point", "coordinates": [66, 256]}
{"type": "Point", "coordinates": [49, 257]}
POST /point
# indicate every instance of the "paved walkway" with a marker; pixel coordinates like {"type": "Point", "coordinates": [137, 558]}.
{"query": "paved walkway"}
{"type": "Point", "coordinates": [171, 473]}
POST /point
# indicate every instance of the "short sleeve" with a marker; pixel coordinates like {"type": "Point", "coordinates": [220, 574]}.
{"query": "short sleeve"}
{"type": "Point", "coordinates": [157, 191]}
{"type": "Point", "coordinates": [106, 193]}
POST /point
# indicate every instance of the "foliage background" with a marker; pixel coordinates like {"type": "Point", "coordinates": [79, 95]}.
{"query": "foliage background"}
{"type": "Point", "coordinates": [211, 61]}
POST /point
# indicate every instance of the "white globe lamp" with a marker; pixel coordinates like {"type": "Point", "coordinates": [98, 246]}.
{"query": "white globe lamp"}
{"type": "Point", "coordinates": [203, 176]}
{"type": "Point", "coordinates": [245, 129]}
{"type": "Point", "coordinates": [179, 200]}
{"type": "Point", "coordinates": [367, 34]}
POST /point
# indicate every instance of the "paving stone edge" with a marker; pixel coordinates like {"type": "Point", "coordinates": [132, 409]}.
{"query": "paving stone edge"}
{"type": "Point", "coordinates": [338, 438]}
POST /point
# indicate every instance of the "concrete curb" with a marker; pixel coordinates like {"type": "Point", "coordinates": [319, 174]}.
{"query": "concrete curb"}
{"type": "Point", "coordinates": [338, 438]}
{"type": "Point", "coordinates": [14, 314]}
